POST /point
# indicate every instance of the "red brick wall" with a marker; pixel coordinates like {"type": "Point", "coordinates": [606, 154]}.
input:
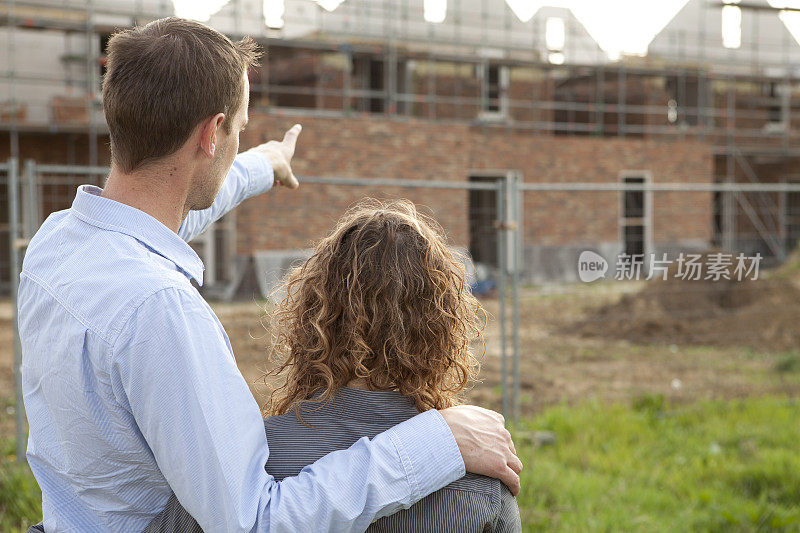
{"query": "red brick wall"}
{"type": "Point", "coordinates": [419, 150]}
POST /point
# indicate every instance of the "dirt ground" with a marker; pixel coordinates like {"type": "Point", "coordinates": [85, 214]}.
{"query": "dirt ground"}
{"type": "Point", "coordinates": [761, 314]}
{"type": "Point", "coordinates": [560, 361]}
{"type": "Point", "coordinates": [611, 341]}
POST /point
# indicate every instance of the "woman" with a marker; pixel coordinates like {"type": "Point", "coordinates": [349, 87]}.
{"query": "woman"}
{"type": "Point", "coordinates": [375, 327]}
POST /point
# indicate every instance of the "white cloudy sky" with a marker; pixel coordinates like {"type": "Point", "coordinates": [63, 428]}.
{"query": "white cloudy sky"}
{"type": "Point", "coordinates": [617, 25]}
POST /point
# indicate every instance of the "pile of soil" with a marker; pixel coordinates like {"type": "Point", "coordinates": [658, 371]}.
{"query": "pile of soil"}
{"type": "Point", "coordinates": [763, 314]}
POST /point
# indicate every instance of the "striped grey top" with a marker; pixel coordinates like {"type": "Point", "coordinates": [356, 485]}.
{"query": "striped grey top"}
{"type": "Point", "coordinates": [471, 504]}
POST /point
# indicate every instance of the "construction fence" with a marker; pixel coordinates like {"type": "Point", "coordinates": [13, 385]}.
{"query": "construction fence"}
{"type": "Point", "coordinates": [594, 289]}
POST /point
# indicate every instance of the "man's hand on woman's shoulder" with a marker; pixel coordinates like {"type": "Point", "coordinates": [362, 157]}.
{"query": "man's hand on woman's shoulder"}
{"type": "Point", "coordinates": [485, 444]}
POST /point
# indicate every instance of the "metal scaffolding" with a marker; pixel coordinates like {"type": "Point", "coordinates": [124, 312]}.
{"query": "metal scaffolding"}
{"type": "Point", "coordinates": [374, 50]}
{"type": "Point", "coordinates": [483, 66]}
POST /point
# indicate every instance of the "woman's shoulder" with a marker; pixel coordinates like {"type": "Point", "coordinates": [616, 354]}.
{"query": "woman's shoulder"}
{"type": "Point", "coordinates": [471, 503]}
{"type": "Point", "coordinates": [478, 484]}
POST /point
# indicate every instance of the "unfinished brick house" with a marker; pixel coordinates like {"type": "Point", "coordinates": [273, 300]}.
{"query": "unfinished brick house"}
{"type": "Point", "coordinates": [384, 93]}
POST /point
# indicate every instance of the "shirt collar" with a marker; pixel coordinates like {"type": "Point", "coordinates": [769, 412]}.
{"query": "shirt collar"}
{"type": "Point", "coordinates": [111, 215]}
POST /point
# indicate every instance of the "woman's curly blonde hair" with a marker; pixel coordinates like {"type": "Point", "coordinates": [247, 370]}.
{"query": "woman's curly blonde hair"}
{"type": "Point", "coordinates": [382, 299]}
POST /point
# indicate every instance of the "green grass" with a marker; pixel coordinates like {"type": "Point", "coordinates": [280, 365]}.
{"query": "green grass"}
{"type": "Point", "coordinates": [643, 466]}
{"type": "Point", "coordinates": [711, 466]}
{"type": "Point", "coordinates": [20, 497]}
{"type": "Point", "coordinates": [788, 362]}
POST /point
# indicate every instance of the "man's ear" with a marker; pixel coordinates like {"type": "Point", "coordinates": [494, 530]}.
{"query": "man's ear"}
{"type": "Point", "coordinates": [208, 134]}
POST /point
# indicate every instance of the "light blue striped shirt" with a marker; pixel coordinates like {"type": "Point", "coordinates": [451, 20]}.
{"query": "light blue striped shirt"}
{"type": "Point", "coordinates": [132, 390]}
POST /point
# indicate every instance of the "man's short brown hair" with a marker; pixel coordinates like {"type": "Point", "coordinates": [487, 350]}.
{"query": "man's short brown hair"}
{"type": "Point", "coordinates": [163, 79]}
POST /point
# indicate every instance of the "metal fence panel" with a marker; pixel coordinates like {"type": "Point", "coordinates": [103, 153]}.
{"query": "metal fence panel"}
{"type": "Point", "coordinates": [529, 238]}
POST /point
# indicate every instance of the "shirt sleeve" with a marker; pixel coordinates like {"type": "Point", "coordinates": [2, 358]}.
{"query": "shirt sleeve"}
{"type": "Point", "coordinates": [250, 175]}
{"type": "Point", "coordinates": [177, 376]}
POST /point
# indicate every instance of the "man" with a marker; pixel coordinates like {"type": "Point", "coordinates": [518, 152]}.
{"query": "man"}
{"type": "Point", "coordinates": [129, 379]}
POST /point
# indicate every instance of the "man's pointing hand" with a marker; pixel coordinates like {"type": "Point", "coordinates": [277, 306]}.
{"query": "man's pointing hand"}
{"type": "Point", "coordinates": [280, 155]}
